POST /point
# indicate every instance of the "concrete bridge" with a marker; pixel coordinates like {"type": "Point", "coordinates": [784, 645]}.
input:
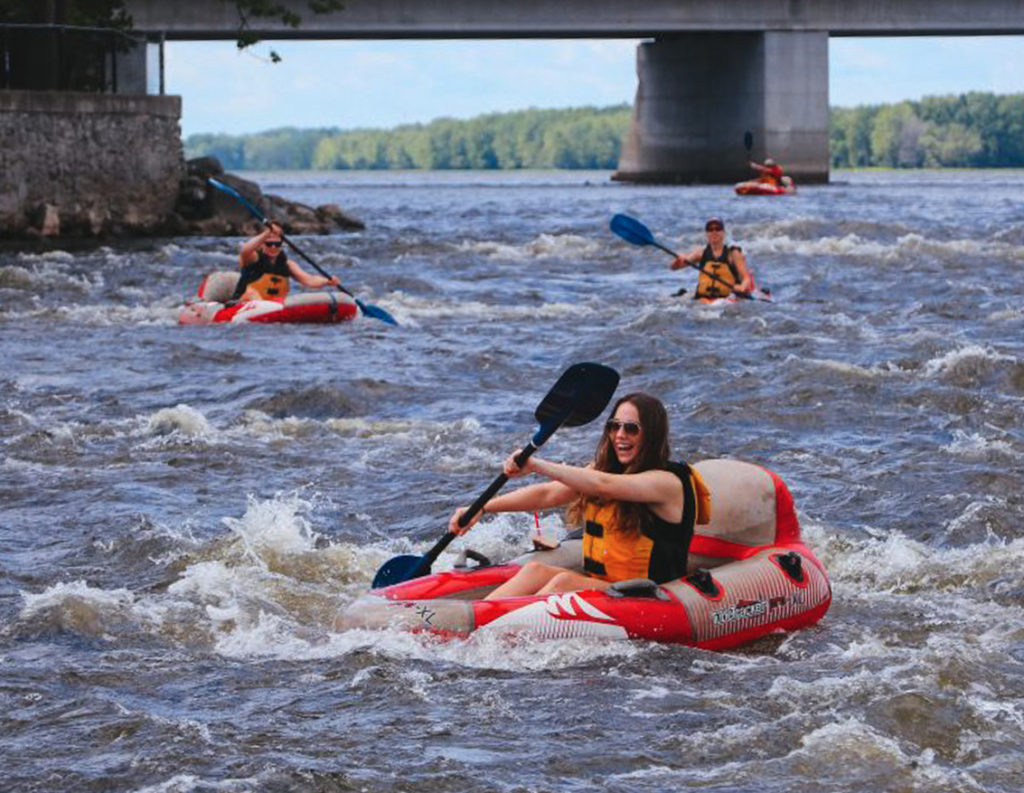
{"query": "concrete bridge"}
{"type": "Point", "coordinates": [716, 76]}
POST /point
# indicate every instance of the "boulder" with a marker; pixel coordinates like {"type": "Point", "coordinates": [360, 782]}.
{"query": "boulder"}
{"type": "Point", "coordinates": [203, 209]}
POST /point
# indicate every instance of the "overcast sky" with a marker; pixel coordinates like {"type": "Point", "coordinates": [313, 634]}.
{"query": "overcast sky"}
{"type": "Point", "coordinates": [350, 84]}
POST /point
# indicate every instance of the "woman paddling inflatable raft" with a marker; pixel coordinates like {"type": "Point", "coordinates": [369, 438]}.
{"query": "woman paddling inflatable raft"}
{"type": "Point", "coordinates": [708, 555]}
{"type": "Point", "coordinates": [259, 291]}
{"type": "Point", "coordinates": [770, 182]}
{"type": "Point", "coordinates": [723, 268]}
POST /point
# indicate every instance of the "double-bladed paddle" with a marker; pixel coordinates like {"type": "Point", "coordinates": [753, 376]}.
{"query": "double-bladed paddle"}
{"type": "Point", "coordinates": [636, 233]}
{"type": "Point", "coordinates": [368, 309]}
{"type": "Point", "coordinates": [579, 396]}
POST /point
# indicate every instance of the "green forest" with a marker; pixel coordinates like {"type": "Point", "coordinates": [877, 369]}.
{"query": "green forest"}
{"type": "Point", "coordinates": [974, 130]}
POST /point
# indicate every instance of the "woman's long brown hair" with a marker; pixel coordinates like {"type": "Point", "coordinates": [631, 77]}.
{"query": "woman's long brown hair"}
{"type": "Point", "coordinates": [654, 453]}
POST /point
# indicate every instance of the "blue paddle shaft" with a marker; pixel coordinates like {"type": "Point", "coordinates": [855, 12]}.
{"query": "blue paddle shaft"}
{"type": "Point", "coordinates": [636, 233]}
{"type": "Point", "coordinates": [370, 310]}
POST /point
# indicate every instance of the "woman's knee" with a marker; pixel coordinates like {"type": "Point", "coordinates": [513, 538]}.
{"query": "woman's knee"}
{"type": "Point", "coordinates": [563, 581]}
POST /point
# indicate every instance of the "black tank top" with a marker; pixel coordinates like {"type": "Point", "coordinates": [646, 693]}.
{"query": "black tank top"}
{"type": "Point", "coordinates": [263, 265]}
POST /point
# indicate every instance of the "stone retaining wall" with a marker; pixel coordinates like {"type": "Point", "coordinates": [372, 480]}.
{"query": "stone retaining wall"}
{"type": "Point", "coordinates": [77, 164]}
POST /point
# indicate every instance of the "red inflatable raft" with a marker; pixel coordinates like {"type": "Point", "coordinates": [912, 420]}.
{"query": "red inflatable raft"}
{"type": "Point", "coordinates": [749, 575]}
{"type": "Point", "coordinates": [218, 286]}
{"type": "Point", "coordinates": [766, 188]}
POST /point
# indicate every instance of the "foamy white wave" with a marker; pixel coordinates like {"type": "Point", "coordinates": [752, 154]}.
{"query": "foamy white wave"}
{"type": "Point", "coordinates": [59, 594]}
{"type": "Point", "coordinates": [48, 275]}
{"type": "Point", "coordinates": [104, 314]}
{"type": "Point", "coordinates": [844, 367]}
{"type": "Point", "coordinates": [58, 433]}
{"type": "Point", "coordinates": [413, 307]}
{"type": "Point", "coordinates": [893, 562]}
{"type": "Point", "coordinates": [851, 742]}
{"type": "Point", "coordinates": [546, 246]}
{"type": "Point", "coordinates": [1010, 312]}
{"type": "Point", "coordinates": [256, 423]}
{"type": "Point", "coordinates": [776, 239]}
{"type": "Point", "coordinates": [79, 606]}
{"type": "Point", "coordinates": [181, 418]}
{"type": "Point", "coordinates": [977, 447]}
{"type": "Point", "coordinates": [189, 783]}
{"type": "Point", "coordinates": [275, 525]}
{"type": "Point", "coordinates": [945, 363]}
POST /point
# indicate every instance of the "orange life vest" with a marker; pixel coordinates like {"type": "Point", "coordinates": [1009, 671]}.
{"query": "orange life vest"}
{"type": "Point", "coordinates": [271, 278]}
{"type": "Point", "coordinates": [716, 267]}
{"type": "Point", "coordinates": [659, 550]}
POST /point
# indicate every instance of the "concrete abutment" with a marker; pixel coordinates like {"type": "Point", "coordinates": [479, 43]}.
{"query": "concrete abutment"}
{"type": "Point", "coordinates": [699, 94]}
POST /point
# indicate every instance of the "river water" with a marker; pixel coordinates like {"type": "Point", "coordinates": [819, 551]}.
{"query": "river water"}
{"type": "Point", "coordinates": [185, 509]}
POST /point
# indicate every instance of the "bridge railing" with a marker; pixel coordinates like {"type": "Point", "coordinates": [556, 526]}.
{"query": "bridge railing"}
{"type": "Point", "coordinates": [36, 57]}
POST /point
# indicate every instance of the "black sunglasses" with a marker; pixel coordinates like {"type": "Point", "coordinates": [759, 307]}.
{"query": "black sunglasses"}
{"type": "Point", "coordinates": [631, 428]}
{"type": "Point", "coordinates": [715, 228]}
{"type": "Point", "coordinates": [273, 244]}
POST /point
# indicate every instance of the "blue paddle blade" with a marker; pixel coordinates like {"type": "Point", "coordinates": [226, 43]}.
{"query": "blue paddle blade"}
{"type": "Point", "coordinates": [631, 230]}
{"type": "Point", "coordinates": [399, 569]}
{"type": "Point", "coordinates": [376, 312]}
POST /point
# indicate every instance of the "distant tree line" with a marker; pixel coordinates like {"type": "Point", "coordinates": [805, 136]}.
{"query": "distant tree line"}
{"type": "Point", "coordinates": [975, 130]}
{"type": "Point", "coordinates": [575, 138]}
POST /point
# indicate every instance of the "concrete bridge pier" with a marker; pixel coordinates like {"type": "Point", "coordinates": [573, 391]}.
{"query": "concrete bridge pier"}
{"type": "Point", "coordinates": [699, 94]}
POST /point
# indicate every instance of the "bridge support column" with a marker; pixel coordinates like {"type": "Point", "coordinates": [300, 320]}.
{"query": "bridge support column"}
{"type": "Point", "coordinates": [699, 94]}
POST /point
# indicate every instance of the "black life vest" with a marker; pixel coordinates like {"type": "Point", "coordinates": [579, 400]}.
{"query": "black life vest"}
{"type": "Point", "coordinates": [269, 277]}
{"type": "Point", "coordinates": [659, 551]}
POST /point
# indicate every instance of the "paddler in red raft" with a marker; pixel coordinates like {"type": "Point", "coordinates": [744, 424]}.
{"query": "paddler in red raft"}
{"type": "Point", "coordinates": [638, 507]}
{"type": "Point", "coordinates": [771, 172]}
{"type": "Point", "coordinates": [267, 270]}
{"type": "Point", "coordinates": [723, 268]}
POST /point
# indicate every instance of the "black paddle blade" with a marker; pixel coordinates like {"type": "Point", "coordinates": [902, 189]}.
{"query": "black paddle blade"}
{"type": "Point", "coordinates": [580, 395]}
{"type": "Point", "coordinates": [748, 140]}
{"type": "Point", "coordinates": [631, 230]}
{"type": "Point", "coordinates": [399, 569]}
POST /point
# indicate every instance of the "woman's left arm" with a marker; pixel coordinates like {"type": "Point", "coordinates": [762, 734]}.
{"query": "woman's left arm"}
{"type": "Point", "coordinates": [648, 487]}
{"type": "Point", "coordinates": [740, 261]}
{"type": "Point", "coordinates": [308, 279]}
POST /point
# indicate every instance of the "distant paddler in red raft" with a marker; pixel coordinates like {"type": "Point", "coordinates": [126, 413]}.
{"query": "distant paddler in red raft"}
{"type": "Point", "coordinates": [724, 274]}
{"type": "Point", "coordinates": [770, 182]}
{"type": "Point", "coordinates": [260, 291]}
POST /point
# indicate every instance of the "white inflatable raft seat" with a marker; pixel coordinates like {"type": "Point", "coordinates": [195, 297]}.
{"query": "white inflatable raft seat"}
{"type": "Point", "coordinates": [637, 588]}
{"type": "Point", "coordinates": [751, 508]}
{"type": "Point", "coordinates": [219, 285]}
{"type": "Point", "coordinates": [462, 561]}
{"type": "Point", "coordinates": [318, 298]}
{"type": "Point", "coordinates": [568, 554]}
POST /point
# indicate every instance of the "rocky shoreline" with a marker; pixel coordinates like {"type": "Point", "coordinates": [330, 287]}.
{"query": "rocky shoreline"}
{"type": "Point", "coordinates": [203, 210]}
{"type": "Point", "coordinates": [200, 210]}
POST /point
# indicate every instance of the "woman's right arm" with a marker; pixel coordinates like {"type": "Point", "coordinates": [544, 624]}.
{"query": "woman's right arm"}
{"type": "Point", "coordinates": [248, 250]}
{"type": "Point", "coordinates": [684, 260]}
{"type": "Point", "coordinates": [532, 498]}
